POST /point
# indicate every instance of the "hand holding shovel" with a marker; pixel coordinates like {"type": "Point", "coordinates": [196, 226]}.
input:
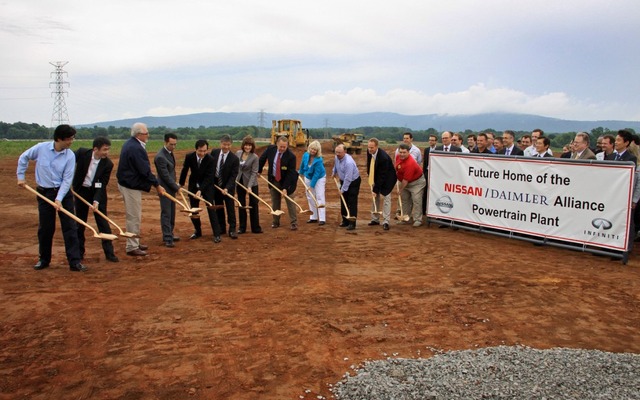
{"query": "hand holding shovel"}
{"type": "Point", "coordinates": [302, 211]}
{"type": "Point", "coordinates": [348, 217]}
{"type": "Point", "coordinates": [232, 197]}
{"type": "Point", "coordinates": [272, 211]}
{"type": "Point", "coordinates": [308, 189]}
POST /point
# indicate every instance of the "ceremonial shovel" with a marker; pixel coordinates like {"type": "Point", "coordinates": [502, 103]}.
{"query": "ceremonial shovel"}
{"type": "Point", "coordinates": [104, 236]}
{"type": "Point", "coordinates": [186, 209]}
{"type": "Point", "coordinates": [308, 189]}
{"type": "Point", "coordinates": [234, 199]}
{"type": "Point", "coordinates": [100, 213]}
{"type": "Point", "coordinates": [208, 203]}
{"type": "Point", "coordinates": [272, 211]}
{"type": "Point", "coordinates": [375, 207]}
{"type": "Point", "coordinates": [348, 216]}
{"type": "Point", "coordinates": [302, 211]}
{"type": "Point", "coordinates": [401, 217]}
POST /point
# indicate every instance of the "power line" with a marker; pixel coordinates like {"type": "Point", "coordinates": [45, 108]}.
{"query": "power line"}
{"type": "Point", "coordinates": [60, 114]}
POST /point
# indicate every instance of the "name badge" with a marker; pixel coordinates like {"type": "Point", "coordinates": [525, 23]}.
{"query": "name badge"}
{"type": "Point", "coordinates": [98, 185]}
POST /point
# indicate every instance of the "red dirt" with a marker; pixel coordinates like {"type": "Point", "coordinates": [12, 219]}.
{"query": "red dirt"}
{"type": "Point", "coordinates": [285, 314]}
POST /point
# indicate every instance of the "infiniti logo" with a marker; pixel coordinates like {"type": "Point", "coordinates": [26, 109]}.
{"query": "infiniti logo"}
{"type": "Point", "coordinates": [444, 204]}
{"type": "Point", "coordinates": [601, 223]}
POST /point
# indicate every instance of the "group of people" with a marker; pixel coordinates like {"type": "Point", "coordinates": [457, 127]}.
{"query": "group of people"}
{"type": "Point", "coordinates": [216, 176]}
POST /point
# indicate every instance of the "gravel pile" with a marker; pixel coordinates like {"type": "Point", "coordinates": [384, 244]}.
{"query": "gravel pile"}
{"type": "Point", "coordinates": [498, 373]}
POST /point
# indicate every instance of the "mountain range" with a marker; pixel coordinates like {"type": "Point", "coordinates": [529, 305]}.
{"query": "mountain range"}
{"type": "Point", "coordinates": [477, 122]}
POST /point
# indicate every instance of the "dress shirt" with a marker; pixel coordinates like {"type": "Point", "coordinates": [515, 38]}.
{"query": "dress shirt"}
{"type": "Point", "coordinates": [347, 171]}
{"type": "Point", "coordinates": [91, 171]}
{"type": "Point", "coordinates": [53, 169]}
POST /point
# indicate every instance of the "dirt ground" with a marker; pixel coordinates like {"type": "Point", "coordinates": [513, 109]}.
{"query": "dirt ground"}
{"type": "Point", "coordinates": [284, 315]}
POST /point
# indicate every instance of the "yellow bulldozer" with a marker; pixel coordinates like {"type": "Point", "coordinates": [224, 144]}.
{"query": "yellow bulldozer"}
{"type": "Point", "coordinates": [352, 142]}
{"type": "Point", "coordinates": [292, 129]}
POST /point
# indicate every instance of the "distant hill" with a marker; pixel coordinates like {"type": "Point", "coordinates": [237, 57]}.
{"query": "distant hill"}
{"type": "Point", "coordinates": [498, 121]}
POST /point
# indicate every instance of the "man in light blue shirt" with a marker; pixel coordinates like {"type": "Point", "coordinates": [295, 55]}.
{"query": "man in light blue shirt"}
{"type": "Point", "coordinates": [55, 166]}
{"type": "Point", "coordinates": [347, 170]}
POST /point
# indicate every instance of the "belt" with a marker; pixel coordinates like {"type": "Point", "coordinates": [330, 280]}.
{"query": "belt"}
{"type": "Point", "coordinates": [40, 188]}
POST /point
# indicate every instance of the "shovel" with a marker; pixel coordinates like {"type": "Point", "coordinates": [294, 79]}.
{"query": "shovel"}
{"type": "Point", "coordinates": [348, 217]}
{"type": "Point", "coordinates": [375, 207]}
{"type": "Point", "coordinates": [232, 197]}
{"type": "Point", "coordinates": [308, 189]}
{"type": "Point", "coordinates": [208, 203]}
{"type": "Point", "coordinates": [271, 210]}
{"type": "Point", "coordinates": [103, 236]}
{"type": "Point", "coordinates": [302, 211]}
{"type": "Point", "coordinates": [100, 213]}
{"type": "Point", "coordinates": [185, 209]}
{"type": "Point", "coordinates": [401, 217]}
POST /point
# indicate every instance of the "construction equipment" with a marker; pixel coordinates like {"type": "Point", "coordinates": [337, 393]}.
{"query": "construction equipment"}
{"type": "Point", "coordinates": [292, 129]}
{"type": "Point", "coordinates": [352, 142]}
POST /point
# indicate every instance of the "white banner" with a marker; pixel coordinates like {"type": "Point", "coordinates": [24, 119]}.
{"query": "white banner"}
{"type": "Point", "coordinates": [579, 202]}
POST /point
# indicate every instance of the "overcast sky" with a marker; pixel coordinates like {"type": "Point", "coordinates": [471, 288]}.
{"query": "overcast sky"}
{"type": "Point", "coordinates": [565, 59]}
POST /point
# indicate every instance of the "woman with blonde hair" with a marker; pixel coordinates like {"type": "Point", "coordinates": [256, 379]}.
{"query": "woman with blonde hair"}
{"type": "Point", "coordinates": [312, 168]}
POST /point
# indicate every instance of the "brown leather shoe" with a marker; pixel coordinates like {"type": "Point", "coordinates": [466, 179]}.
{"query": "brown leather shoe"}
{"type": "Point", "coordinates": [143, 247]}
{"type": "Point", "coordinates": [137, 253]}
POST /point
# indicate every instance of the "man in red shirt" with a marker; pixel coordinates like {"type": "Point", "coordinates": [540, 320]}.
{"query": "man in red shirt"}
{"type": "Point", "coordinates": [412, 184]}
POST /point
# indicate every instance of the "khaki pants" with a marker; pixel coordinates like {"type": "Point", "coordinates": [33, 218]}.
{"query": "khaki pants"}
{"type": "Point", "coordinates": [412, 198]}
{"type": "Point", "coordinates": [133, 212]}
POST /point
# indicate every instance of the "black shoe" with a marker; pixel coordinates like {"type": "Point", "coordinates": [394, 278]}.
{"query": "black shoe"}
{"type": "Point", "coordinates": [217, 239]}
{"type": "Point", "coordinates": [241, 231]}
{"type": "Point", "coordinates": [351, 227]}
{"type": "Point", "coordinates": [373, 223]}
{"type": "Point", "coordinates": [176, 238]}
{"type": "Point", "coordinates": [113, 258]}
{"type": "Point", "coordinates": [195, 235]}
{"type": "Point", "coordinates": [41, 264]}
{"type": "Point", "coordinates": [312, 221]}
{"type": "Point", "coordinates": [257, 231]}
{"type": "Point", "coordinates": [143, 247]}
{"type": "Point", "coordinates": [275, 225]}
{"type": "Point", "coordinates": [78, 268]}
{"type": "Point", "coordinates": [294, 227]}
{"type": "Point", "coordinates": [233, 235]}
{"type": "Point", "coordinates": [343, 224]}
{"type": "Point", "coordinates": [321, 223]}
{"type": "Point", "coordinates": [385, 226]}
{"type": "Point", "coordinates": [169, 244]}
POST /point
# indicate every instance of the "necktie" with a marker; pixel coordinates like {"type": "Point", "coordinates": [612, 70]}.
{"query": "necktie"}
{"type": "Point", "coordinates": [199, 161]}
{"type": "Point", "coordinates": [508, 152]}
{"type": "Point", "coordinates": [219, 168]}
{"type": "Point", "coordinates": [617, 156]}
{"type": "Point", "coordinates": [278, 173]}
{"type": "Point", "coordinates": [372, 168]}
{"type": "Point", "coordinates": [446, 148]}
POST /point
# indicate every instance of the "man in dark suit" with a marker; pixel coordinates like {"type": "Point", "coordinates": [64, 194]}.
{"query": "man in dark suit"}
{"type": "Point", "coordinates": [382, 179]}
{"type": "Point", "coordinates": [510, 148]}
{"type": "Point", "coordinates": [446, 143]}
{"type": "Point", "coordinates": [542, 147]}
{"type": "Point", "coordinates": [283, 174]}
{"type": "Point", "coordinates": [165, 163]}
{"type": "Point", "coordinates": [227, 166]}
{"type": "Point", "coordinates": [622, 143]}
{"type": "Point", "coordinates": [195, 162]}
{"type": "Point", "coordinates": [433, 142]}
{"type": "Point", "coordinates": [90, 180]}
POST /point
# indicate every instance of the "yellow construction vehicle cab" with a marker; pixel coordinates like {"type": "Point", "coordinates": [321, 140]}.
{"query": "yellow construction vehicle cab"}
{"type": "Point", "coordinates": [292, 129]}
{"type": "Point", "coordinates": [352, 142]}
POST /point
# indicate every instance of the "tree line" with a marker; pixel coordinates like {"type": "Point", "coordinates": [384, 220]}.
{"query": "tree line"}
{"type": "Point", "coordinates": [22, 130]}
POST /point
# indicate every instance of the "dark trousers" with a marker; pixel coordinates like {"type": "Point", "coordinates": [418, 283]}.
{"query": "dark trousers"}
{"type": "Point", "coordinates": [47, 227]}
{"type": "Point", "coordinates": [425, 194]}
{"type": "Point", "coordinates": [82, 212]}
{"type": "Point", "coordinates": [229, 206]}
{"type": "Point", "coordinates": [253, 212]}
{"type": "Point", "coordinates": [208, 195]}
{"type": "Point", "coordinates": [351, 198]}
{"type": "Point", "coordinates": [167, 217]}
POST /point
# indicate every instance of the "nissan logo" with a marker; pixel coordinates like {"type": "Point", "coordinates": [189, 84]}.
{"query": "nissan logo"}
{"type": "Point", "coordinates": [444, 204]}
{"type": "Point", "coordinates": [601, 223]}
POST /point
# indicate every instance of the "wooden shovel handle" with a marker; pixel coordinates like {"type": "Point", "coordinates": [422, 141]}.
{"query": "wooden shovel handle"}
{"type": "Point", "coordinates": [100, 213]}
{"type": "Point", "coordinates": [254, 195]}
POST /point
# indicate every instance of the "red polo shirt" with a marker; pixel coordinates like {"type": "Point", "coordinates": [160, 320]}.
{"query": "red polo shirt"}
{"type": "Point", "coordinates": [408, 169]}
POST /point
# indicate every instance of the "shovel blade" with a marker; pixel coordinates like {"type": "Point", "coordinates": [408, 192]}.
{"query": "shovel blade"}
{"type": "Point", "coordinates": [106, 236]}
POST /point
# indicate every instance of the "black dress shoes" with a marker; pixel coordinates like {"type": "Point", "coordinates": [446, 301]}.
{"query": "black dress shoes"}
{"type": "Point", "coordinates": [41, 264]}
{"type": "Point", "coordinates": [321, 223]}
{"type": "Point", "coordinates": [233, 235]}
{"type": "Point", "coordinates": [78, 268]}
{"type": "Point", "coordinates": [143, 247]}
{"type": "Point", "coordinates": [312, 221]}
{"type": "Point", "coordinates": [241, 231]}
{"type": "Point", "coordinates": [373, 223]}
{"type": "Point", "coordinates": [217, 239]}
{"type": "Point", "coordinates": [176, 238]}
{"type": "Point", "coordinates": [257, 231]}
{"type": "Point", "coordinates": [169, 244]}
{"type": "Point", "coordinates": [385, 226]}
{"type": "Point", "coordinates": [351, 227]}
{"type": "Point", "coordinates": [195, 235]}
{"type": "Point", "coordinates": [137, 252]}
{"type": "Point", "coordinates": [343, 224]}
{"type": "Point", "coordinates": [112, 258]}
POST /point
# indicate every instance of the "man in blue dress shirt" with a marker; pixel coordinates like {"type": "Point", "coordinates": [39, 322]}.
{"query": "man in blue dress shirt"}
{"type": "Point", "coordinates": [55, 166]}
